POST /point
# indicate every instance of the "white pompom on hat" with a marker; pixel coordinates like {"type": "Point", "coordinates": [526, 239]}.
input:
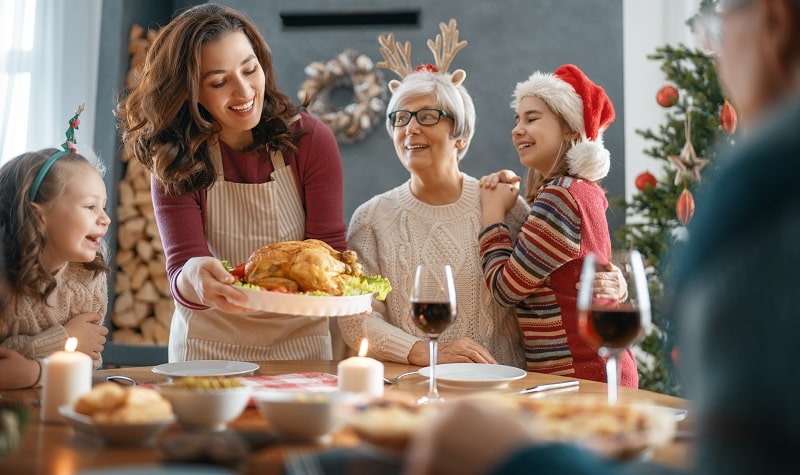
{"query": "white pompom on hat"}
{"type": "Point", "coordinates": [584, 106]}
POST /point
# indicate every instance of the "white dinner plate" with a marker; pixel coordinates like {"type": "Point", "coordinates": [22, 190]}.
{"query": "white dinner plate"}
{"type": "Point", "coordinates": [307, 305]}
{"type": "Point", "coordinates": [205, 368]}
{"type": "Point", "coordinates": [474, 375]}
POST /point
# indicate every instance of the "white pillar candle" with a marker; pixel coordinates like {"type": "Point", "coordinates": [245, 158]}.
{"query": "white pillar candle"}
{"type": "Point", "coordinates": [361, 374]}
{"type": "Point", "coordinates": [66, 375]}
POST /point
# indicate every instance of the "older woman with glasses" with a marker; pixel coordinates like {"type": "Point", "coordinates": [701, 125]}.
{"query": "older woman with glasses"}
{"type": "Point", "coordinates": [432, 218]}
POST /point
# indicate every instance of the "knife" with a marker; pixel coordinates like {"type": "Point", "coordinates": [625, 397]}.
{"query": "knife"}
{"type": "Point", "coordinates": [547, 386]}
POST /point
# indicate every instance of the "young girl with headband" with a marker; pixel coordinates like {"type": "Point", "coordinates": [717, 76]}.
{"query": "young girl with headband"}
{"type": "Point", "coordinates": [52, 222]}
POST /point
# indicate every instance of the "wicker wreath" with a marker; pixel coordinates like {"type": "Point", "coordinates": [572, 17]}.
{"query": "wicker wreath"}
{"type": "Point", "coordinates": [356, 120]}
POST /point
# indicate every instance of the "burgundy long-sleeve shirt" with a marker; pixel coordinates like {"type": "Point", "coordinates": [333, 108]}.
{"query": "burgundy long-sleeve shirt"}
{"type": "Point", "coordinates": [317, 168]}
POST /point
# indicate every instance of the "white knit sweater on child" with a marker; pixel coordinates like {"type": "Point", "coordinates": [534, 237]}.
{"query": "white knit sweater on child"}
{"type": "Point", "coordinates": [392, 233]}
{"type": "Point", "coordinates": [36, 329]}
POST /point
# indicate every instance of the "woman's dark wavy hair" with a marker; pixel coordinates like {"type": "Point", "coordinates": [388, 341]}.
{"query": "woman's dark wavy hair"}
{"type": "Point", "coordinates": [163, 125]}
{"type": "Point", "coordinates": [23, 231]}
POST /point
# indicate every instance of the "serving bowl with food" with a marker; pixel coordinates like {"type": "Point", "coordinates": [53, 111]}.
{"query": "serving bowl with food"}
{"type": "Point", "coordinates": [624, 430]}
{"type": "Point", "coordinates": [302, 415]}
{"type": "Point", "coordinates": [388, 423]}
{"type": "Point", "coordinates": [307, 278]}
{"type": "Point", "coordinates": [117, 415]}
{"type": "Point", "coordinates": [206, 402]}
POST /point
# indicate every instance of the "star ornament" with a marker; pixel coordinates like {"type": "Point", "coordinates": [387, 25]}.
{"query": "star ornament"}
{"type": "Point", "coordinates": [689, 165]}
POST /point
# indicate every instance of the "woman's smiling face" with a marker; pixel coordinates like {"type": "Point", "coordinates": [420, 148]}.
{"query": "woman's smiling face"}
{"type": "Point", "coordinates": [232, 87]}
{"type": "Point", "coordinates": [538, 134]}
{"type": "Point", "coordinates": [422, 147]}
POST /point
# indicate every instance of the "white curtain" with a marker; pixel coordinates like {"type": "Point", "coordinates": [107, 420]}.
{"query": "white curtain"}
{"type": "Point", "coordinates": [48, 66]}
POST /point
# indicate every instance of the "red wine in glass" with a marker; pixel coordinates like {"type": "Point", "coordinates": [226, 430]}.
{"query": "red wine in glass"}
{"type": "Point", "coordinates": [611, 326]}
{"type": "Point", "coordinates": [433, 309]}
{"type": "Point", "coordinates": [432, 317]}
{"type": "Point", "coordinates": [614, 328]}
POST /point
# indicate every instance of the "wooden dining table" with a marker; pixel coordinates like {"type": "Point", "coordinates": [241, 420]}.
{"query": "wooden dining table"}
{"type": "Point", "coordinates": [52, 448]}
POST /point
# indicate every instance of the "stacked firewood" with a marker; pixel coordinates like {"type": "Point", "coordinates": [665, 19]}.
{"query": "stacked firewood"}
{"type": "Point", "coordinates": [143, 307]}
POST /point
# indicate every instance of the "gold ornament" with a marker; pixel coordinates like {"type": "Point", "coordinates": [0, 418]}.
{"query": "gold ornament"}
{"type": "Point", "coordinates": [688, 163]}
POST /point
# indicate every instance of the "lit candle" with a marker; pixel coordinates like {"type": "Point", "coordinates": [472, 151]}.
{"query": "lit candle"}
{"type": "Point", "coordinates": [66, 375]}
{"type": "Point", "coordinates": [361, 374]}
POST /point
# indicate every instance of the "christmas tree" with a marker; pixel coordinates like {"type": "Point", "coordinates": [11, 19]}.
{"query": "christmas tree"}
{"type": "Point", "coordinates": [698, 118]}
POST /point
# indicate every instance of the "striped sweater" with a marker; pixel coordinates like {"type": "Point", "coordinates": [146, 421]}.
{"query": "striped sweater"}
{"type": "Point", "coordinates": [538, 276]}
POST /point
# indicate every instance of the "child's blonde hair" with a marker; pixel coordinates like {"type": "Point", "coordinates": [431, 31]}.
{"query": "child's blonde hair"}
{"type": "Point", "coordinates": [24, 235]}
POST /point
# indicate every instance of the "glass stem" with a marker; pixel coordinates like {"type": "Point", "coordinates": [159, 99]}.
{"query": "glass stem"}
{"type": "Point", "coordinates": [433, 390]}
{"type": "Point", "coordinates": [613, 379]}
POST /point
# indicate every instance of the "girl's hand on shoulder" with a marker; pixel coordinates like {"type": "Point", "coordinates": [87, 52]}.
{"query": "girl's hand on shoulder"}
{"type": "Point", "coordinates": [90, 332]}
{"type": "Point", "coordinates": [491, 180]}
{"type": "Point", "coordinates": [497, 201]}
{"type": "Point", "coordinates": [205, 281]}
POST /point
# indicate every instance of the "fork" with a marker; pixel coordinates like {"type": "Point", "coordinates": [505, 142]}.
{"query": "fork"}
{"type": "Point", "coordinates": [126, 381]}
{"type": "Point", "coordinates": [396, 379]}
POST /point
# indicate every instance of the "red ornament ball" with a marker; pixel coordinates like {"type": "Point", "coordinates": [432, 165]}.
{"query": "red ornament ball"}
{"type": "Point", "coordinates": [645, 179]}
{"type": "Point", "coordinates": [685, 207]}
{"type": "Point", "coordinates": [75, 123]}
{"type": "Point", "coordinates": [667, 96]}
{"type": "Point", "coordinates": [727, 118]}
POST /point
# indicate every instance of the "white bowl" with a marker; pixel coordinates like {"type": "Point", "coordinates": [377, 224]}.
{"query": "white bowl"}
{"type": "Point", "coordinates": [115, 433]}
{"type": "Point", "coordinates": [300, 415]}
{"type": "Point", "coordinates": [210, 409]}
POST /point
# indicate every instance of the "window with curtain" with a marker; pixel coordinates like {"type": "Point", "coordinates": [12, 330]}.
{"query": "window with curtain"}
{"type": "Point", "coordinates": [48, 66]}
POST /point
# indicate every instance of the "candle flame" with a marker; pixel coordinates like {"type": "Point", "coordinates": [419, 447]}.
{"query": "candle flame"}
{"type": "Point", "coordinates": [71, 344]}
{"type": "Point", "coordinates": [363, 350]}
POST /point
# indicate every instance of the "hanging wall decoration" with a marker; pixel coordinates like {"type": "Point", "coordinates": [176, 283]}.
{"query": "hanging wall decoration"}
{"type": "Point", "coordinates": [349, 69]}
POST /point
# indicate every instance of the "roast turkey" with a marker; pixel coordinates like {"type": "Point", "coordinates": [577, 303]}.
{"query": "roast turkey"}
{"type": "Point", "coordinates": [310, 265]}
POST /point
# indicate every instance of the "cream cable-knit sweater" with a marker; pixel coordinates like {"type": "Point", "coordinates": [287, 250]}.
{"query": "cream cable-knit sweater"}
{"type": "Point", "coordinates": [392, 233]}
{"type": "Point", "coordinates": [35, 329]}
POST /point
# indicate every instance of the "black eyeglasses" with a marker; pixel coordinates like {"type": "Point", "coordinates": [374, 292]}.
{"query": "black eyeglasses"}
{"type": "Point", "coordinates": [401, 118]}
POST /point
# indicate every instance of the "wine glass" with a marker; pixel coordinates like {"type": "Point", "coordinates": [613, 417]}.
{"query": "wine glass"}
{"type": "Point", "coordinates": [609, 325]}
{"type": "Point", "coordinates": [433, 309]}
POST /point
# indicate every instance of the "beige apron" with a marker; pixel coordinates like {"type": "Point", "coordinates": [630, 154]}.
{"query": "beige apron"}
{"type": "Point", "coordinates": [240, 218]}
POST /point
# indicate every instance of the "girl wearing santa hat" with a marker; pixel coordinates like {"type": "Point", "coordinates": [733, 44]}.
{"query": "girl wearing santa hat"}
{"type": "Point", "coordinates": [560, 118]}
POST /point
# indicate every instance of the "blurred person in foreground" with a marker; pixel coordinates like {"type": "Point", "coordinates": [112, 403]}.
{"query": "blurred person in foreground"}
{"type": "Point", "coordinates": [737, 331]}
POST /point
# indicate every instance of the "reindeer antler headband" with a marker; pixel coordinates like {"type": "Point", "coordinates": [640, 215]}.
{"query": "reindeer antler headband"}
{"type": "Point", "coordinates": [397, 56]}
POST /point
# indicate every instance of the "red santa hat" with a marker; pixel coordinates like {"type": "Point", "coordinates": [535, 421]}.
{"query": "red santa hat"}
{"type": "Point", "coordinates": [586, 109]}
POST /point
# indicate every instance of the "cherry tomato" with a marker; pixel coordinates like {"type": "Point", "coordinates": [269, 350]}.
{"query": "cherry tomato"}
{"type": "Point", "coordinates": [238, 271]}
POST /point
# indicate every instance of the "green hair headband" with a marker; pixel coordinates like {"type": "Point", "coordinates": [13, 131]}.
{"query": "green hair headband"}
{"type": "Point", "coordinates": [68, 146]}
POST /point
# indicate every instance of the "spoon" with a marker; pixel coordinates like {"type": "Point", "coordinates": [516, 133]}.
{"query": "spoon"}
{"type": "Point", "coordinates": [397, 378]}
{"type": "Point", "coordinates": [123, 380]}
